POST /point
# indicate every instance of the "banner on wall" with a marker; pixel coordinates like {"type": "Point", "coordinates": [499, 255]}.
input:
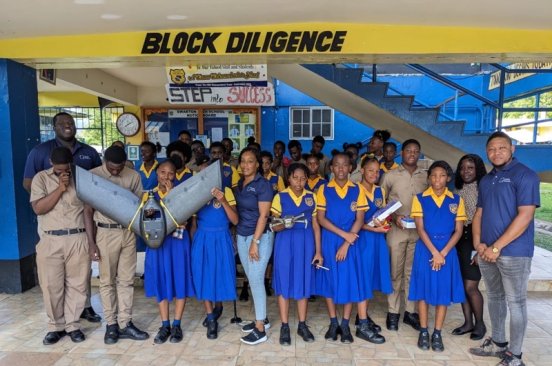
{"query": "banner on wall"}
{"type": "Point", "coordinates": [221, 95]}
{"type": "Point", "coordinates": [510, 77]}
{"type": "Point", "coordinates": [219, 75]}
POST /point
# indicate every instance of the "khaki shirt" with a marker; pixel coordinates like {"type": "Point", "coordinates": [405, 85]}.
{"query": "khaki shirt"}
{"type": "Point", "coordinates": [68, 211]}
{"type": "Point", "coordinates": [401, 186]}
{"type": "Point", "coordinates": [128, 178]}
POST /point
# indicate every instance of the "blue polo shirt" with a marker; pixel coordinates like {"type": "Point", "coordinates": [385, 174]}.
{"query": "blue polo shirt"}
{"type": "Point", "coordinates": [247, 202]}
{"type": "Point", "coordinates": [38, 160]}
{"type": "Point", "coordinates": [501, 192]}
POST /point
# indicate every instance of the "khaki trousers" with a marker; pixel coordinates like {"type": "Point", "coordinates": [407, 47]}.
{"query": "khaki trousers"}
{"type": "Point", "coordinates": [63, 266]}
{"type": "Point", "coordinates": [401, 243]}
{"type": "Point", "coordinates": [117, 270]}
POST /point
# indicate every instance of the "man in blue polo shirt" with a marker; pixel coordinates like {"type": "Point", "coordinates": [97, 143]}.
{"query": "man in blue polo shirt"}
{"type": "Point", "coordinates": [503, 236]}
{"type": "Point", "coordinates": [84, 156]}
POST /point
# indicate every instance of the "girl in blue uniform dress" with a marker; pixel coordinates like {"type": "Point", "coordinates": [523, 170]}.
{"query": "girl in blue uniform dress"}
{"type": "Point", "coordinates": [436, 277]}
{"type": "Point", "coordinates": [168, 269]}
{"type": "Point", "coordinates": [314, 180]}
{"type": "Point", "coordinates": [276, 181]}
{"type": "Point", "coordinates": [180, 153]}
{"type": "Point", "coordinates": [341, 206]}
{"type": "Point", "coordinates": [295, 251]}
{"type": "Point", "coordinates": [148, 176]}
{"type": "Point", "coordinates": [213, 263]}
{"type": "Point", "coordinates": [375, 253]}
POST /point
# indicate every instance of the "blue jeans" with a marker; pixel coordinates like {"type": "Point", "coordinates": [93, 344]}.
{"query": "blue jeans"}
{"type": "Point", "coordinates": [255, 270]}
{"type": "Point", "coordinates": [506, 283]}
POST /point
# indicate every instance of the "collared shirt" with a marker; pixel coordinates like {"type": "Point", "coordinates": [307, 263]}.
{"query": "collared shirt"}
{"type": "Point", "coordinates": [247, 199]}
{"type": "Point", "coordinates": [361, 204]}
{"type": "Point", "coordinates": [401, 186]}
{"type": "Point", "coordinates": [148, 177]}
{"type": "Point", "coordinates": [68, 211]}
{"type": "Point", "coordinates": [38, 160]}
{"type": "Point", "coordinates": [276, 182]}
{"type": "Point", "coordinates": [127, 178]}
{"type": "Point", "coordinates": [230, 176]}
{"type": "Point", "coordinates": [501, 192]}
{"type": "Point", "coordinates": [297, 200]}
{"type": "Point", "coordinates": [417, 210]}
{"type": "Point", "coordinates": [314, 183]}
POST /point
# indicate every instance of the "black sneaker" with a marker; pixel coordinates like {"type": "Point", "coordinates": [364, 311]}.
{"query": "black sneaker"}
{"type": "Point", "coordinates": [412, 319]}
{"type": "Point", "coordinates": [254, 337]}
{"type": "Point", "coordinates": [304, 332]}
{"type": "Point", "coordinates": [249, 327]}
{"type": "Point", "coordinates": [285, 337]}
{"type": "Point", "coordinates": [437, 343]}
{"type": "Point", "coordinates": [212, 329]}
{"type": "Point", "coordinates": [346, 336]}
{"type": "Point", "coordinates": [489, 349]}
{"type": "Point", "coordinates": [90, 315]}
{"type": "Point", "coordinates": [392, 321]}
{"type": "Point", "coordinates": [131, 332]}
{"type": "Point", "coordinates": [162, 335]}
{"type": "Point", "coordinates": [176, 334]}
{"type": "Point", "coordinates": [368, 334]}
{"type": "Point", "coordinates": [333, 331]}
{"type": "Point", "coordinates": [77, 336]}
{"type": "Point", "coordinates": [423, 341]}
{"type": "Point", "coordinates": [111, 334]}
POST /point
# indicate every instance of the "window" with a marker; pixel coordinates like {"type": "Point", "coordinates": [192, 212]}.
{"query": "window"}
{"type": "Point", "coordinates": [307, 122]}
{"type": "Point", "coordinates": [95, 126]}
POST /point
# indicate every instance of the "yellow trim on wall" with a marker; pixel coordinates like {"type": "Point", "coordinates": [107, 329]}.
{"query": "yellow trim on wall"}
{"type": "Point", "coordinates": [67, 99]}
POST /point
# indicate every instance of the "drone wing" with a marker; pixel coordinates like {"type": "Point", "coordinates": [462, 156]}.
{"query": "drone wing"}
{"type": "Point", "coordinates": [110, 199]}
{"type": "Point", "coordinates": [187, 198]}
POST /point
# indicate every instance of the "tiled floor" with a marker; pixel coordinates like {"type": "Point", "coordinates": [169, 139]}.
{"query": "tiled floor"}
{"type": "Point", "coordinates": [23, 325]}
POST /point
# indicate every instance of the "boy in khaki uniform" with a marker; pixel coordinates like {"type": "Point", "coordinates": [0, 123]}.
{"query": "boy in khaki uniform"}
{"type": "Point", "coordinates": [115, 248]}
{"type": "Point", "coordinates": [403, 184]}
{"type": "Point", "coordinates": [62, 252]}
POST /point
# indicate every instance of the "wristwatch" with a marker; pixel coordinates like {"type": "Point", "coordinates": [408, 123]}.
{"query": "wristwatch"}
{"type": "Point", "coordinates": [256, 241]}
{"type": "Point", "coordinates": [495, 250]}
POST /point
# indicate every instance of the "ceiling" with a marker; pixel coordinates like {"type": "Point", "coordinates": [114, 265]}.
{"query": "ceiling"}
{"type": "Point", "coordinates": [25, 18]}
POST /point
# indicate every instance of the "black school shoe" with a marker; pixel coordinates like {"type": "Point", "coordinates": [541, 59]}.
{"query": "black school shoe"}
{"type": "Point", "coordinates": [371, 324]}
{"type": "Point", "coordinates": [77, 336]}
{"type": "Point", "coordinates": [162, 335]}
{"type": "Point", "coordinates": [254, 337]}
{"type": "Point", "coordinates": [412, 319]}
{"type": "Point", "coordinates": [111, 334]}
{"type": "Point", "coordinates": [423, 341]}
{"type": "Point", "coordinates": [176, 334]}
{"type": "Point", "coordinates": [53, 337]}
{"type": "Point", "coordinates": [437, 343]}
{"type": "Point", "coordinates": [90, 315]}
{"type": "Point", "coordinates": [304, 332]}
{"type": "Point", "coordinates": [217, 312]}
{"type": "Point", "coordinates": [346, 336]}
{"type": "Point", "coordinates": [285, 337]}
{"type": "Point", "coordinates": [131, 332]}
{"type": "Point", "coordinates": [392, 321]}
{"type": "Point", "coordinates": [212, 329]}
{"type": "Point", "coordinates": [368, 334]}
{"type": "Point", "coordinates": [333, 331]}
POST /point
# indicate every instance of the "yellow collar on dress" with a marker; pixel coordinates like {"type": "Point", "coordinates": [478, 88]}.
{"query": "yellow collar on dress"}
{"type": "Point", "coordinates": [296, 200]}
{"type": "Point", "coordinates": [181, 174]}
{"type": "Point", "coordinates": [341, 191]}
{"type": "Point", "coordinates": [148, 173]}
{"type": "Point", "coordinates": [437, 199]}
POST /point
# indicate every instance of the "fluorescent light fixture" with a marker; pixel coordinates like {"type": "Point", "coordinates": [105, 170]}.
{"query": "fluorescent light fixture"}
{"type": "Point", "coordinates": [111, 16]}
{"type": "Point", "coordinates": [176, 17]}
{"type": "Point", "coordinates": [89, 2]}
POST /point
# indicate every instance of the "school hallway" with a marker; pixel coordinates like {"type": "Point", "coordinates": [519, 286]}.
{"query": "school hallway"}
{"type": "Point", "coordinates": [23, 326]}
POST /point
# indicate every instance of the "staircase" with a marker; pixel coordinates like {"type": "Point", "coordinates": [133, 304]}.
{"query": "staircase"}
{"type": "Point", "coordinates": [425, 119]}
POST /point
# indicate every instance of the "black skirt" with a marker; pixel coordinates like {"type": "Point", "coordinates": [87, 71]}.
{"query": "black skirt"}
{"type": "Point", "coordinates": [464, 249]}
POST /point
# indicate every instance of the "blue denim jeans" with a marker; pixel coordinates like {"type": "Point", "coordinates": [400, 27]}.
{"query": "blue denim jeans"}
{"type": "Point", "coordinates": [255, 270]}
{"type": "Point", "coordinates": [506, 283]}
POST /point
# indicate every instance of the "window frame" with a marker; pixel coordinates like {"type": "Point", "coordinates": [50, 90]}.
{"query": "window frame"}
{"type": "Point", "coordinates": [310, 109]}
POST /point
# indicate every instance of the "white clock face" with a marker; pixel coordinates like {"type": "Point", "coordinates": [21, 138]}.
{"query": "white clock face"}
{"type": "Point", "coordinates": [128, 124]}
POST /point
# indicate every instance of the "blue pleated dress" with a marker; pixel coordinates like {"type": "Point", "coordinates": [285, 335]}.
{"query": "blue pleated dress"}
{"type": "Point", "coordinates": [168, 272]}
{"type": "Point", "coordinates": [445, 286]}
{"type": "Point", "coordinates": [213, 263]}
{"type": "Point", "coordinates": [343, 283]}
{"type": "Point", "coordinates": [374, 250]}
{"type": "Point", "coordinates": [294, 248]}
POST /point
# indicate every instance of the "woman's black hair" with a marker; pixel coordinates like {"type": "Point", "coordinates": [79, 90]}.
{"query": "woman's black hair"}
{"type": "Point", "coordinates": [317, 156]}
{"type": "Point", "coordinates": [383, 135]}
{"type": "Point", "coordinates": [151, 145]}
{"type": "Point", "coordinates": [440, 164]}
{"type": "Point", "coordinates": [171, 160]}
{"type": "Point", "coordinates": [255, 152]}
{"type": "Point", "coordinates": [267, 154]}
{"type": "Point", "coordinates": [368, 159]}
{"type": "Point", "coordinates": [181, 147]}
{"type": "Point", "coordinates": [297, 166]}
{"type": "Point", "coordinates": [336, 153]}
{"type": "Point", "coordinates": [356, 145]}
{"type": "Point", "coordinates": [480, 169]}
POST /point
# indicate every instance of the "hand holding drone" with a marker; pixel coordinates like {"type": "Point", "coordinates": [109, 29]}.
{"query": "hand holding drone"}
{"type": "Point", "coordinates": [288, 221]}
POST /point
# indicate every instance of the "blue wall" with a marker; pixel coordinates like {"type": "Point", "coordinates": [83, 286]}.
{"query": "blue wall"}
{"type": "Point", "coordinates": [19, 130]}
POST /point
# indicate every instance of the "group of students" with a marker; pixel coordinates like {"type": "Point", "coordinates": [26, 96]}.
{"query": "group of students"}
{"type": "Point", "coordinates": [336, 249]}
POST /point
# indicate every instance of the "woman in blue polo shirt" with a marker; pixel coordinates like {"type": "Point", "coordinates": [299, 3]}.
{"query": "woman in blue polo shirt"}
{"type": "Point", "coordinates": [254, 198]}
